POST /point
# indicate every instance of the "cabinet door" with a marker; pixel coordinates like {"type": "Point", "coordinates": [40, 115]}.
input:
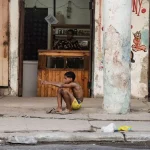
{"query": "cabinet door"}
{"type": "Point", "coordinates": [4, 42]}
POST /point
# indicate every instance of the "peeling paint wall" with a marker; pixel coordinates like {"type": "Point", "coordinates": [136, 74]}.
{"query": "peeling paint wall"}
{"type": "Point", "coordinates": [98, 57]}
{"type": "Point", "coordinates": [139, 69]}
{"type": "Point", "coordinates": [14, 44]}
{"type": "Point", "coordinates": [139, 47]}
{"type": "Point", "coordinates": [116, 45]}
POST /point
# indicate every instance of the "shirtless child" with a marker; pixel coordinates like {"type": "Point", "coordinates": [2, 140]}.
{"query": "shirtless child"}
{"type": "Point", "coordinates": [73, 100]}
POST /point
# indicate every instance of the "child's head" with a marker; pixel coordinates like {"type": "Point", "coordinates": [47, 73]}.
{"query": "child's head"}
{"type": "Point", "coordinates": [69, 77]}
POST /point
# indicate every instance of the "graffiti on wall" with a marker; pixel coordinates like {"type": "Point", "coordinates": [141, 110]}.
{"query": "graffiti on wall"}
{"type": "Point", "coordinates": [137, 46]}
{"type": "Point", "coordinates": [132, 57]}
{"type": "Point", "coordinates": [137, 7]}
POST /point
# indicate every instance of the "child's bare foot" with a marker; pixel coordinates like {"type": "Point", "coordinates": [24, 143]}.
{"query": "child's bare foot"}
{"type": "Point", "coordinates": [66, 109]}
{"type": "Point", "coordinates": [65, 112]}
{"type": "Point", "coordinates": [58, 109]}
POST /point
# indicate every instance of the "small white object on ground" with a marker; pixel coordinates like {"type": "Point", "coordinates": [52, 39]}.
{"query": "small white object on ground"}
{"type": "Point", "coordinates": [110, 128]}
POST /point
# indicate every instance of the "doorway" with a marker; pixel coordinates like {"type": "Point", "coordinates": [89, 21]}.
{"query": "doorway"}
{"type": "Point", "coordinates": [37, 31]}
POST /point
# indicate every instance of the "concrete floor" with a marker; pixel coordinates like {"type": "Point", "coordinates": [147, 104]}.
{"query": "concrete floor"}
{"type": "Point", "coordinates": [21, 118]}
{"type": "Point", "coordinates": [90, 105]}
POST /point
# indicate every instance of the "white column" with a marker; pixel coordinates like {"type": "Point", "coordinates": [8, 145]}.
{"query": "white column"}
{"type": "Point", "coordinates": [117, 46]}
{"type": "Point", "coordinates": [13, 47]}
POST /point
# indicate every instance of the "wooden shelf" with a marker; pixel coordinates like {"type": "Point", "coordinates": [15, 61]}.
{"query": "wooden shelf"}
{"type": "Point", "coordinates": [64, 53]}
{"type": "Point", "coordinates": [76, 36]}
{"type": "Point", "coordinates": [76, 26]}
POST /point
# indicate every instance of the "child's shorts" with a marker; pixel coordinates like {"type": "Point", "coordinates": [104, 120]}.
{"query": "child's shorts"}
{"type": "Point", "coordinates": [76, 104]}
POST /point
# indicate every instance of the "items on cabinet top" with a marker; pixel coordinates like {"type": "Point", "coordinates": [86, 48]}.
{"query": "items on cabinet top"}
{"type": "Point", "coordinates": [81, 34]}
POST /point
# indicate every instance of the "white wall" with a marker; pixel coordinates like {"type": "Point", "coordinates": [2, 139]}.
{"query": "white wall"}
{"type": "Point", "coordinates": [30, 71]}
{"type": "Point", "coordinates": [13, 47]}
{"type": "Point", "coordinates": [78, 16]}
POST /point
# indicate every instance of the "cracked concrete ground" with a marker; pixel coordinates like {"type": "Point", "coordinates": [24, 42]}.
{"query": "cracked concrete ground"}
{"type": "Point", "coordinates": [23, 120]}
{"type": "Point", "coordinates": [25, 105]}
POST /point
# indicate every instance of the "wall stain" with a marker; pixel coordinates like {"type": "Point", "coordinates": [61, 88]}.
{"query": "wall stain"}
{"type": "Point", "coordinates": [5, 43]}
{"type": "Point", "coordinates": [120, 80]}
{"type": "Point", "coordinates": [96, 78]}
{"type": "Point", "coordinates": [115, 59]}
{"type": "Point", "coordinates": [98, 25]}
{"type": "Point", "coordinates": [144, 72]}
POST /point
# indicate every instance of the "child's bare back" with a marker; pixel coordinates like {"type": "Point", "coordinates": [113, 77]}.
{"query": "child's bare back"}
{"type": "Point", "coordinates": [77, 91]}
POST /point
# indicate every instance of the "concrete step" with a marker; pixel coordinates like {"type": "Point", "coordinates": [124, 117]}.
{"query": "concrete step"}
{"type": "Point", "coordinates": [59, 137]}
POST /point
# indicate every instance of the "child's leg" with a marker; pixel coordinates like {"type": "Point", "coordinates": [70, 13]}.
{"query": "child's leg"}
{"type": "Point", "coordinates": [67, 99]}
{"type": "Point", "coordinates": [59, 99]}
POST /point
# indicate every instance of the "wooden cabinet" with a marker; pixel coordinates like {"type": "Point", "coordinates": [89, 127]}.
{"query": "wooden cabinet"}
{"type": "Point", "coordinates": [48, 70]}
{"type": "Point", "coordinates": [81, 34]}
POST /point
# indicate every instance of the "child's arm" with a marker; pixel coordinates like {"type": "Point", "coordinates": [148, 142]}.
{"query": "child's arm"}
{"type": "Point", "coordinates": [57, 84]}
{"type": "Point", "coordinates": [70, 85]}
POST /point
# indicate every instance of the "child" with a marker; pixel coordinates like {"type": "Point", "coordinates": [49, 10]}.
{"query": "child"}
{"type": "Point", "coordinates": [73, 101]}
